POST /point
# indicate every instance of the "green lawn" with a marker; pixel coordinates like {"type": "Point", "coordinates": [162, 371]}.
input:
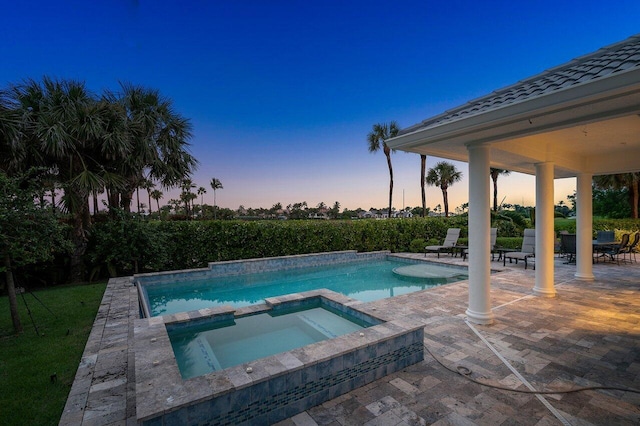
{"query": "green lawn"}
{"type": "Point", "coordinates": [28, 395]}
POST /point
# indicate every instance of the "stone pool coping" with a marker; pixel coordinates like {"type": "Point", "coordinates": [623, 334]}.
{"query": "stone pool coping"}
{"type": "Point", "coordinates": [104, 388]}
{"type": "Point", "coordinates": [162, 393]}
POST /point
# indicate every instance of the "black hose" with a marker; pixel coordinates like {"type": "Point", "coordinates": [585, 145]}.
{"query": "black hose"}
{"type": "Point", "coordinates": [466, 373]}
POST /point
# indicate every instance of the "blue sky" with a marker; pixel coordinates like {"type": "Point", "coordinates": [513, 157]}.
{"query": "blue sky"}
{"type": "Point", "coordinates": [283, 93]}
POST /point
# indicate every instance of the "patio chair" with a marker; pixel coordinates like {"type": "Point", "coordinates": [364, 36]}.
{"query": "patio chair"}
{"type": "Point", "coordinates": [527, 251]}
{"type": "Point", "coordinates": [619, 250]}
{"type": "Point", "coordinates": [568, 247]}
{"type": "Point", "coordinates": [605, 236]}
{"type": "Point", "coordinates": [632, 248]}
{"type": "Point", "coordinates": [447, 246]}
{"type": "Point", "coordinates": [494, 237]}
{"type": "Point", "coordinates": [558, 245]}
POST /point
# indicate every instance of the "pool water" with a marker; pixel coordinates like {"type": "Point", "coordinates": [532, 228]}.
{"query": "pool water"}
{"type": "Point", "coordinates": [364, 281]}
{"type": "Point", "coordinates": [205, 348]}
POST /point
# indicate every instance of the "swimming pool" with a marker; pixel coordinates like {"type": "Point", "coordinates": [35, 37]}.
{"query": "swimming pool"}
{"type": "Point", "coordinates": [365, 278]}
{"type": "Point", "coordinates": [204, 348]}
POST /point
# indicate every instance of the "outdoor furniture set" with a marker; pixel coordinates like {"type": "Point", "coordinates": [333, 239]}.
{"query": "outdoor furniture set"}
{"type": "Point", "coordinates": [604, 247]}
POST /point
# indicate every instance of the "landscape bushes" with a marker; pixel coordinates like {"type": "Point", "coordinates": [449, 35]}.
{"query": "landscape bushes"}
{"type": "Point", "coordinates": [131, 244]}
{"type": "Point", "coordinates": [119, 247]}
{"type": "Point", "coordinates": [127, 245]}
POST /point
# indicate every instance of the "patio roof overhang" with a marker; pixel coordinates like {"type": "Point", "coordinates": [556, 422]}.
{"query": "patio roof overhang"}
{"type": "Point", "coordinates": [576, 120]}
{"type": "Point", "coordinates": [584, 116]}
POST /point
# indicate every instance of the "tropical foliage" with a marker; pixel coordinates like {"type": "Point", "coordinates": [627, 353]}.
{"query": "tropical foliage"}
{"type": "Point", "coordinates": [28, 233]}
{"type": "Point", "coordinates": [89, 144]}
{"type": "Point", "coordinates": [607, 192]}
{"type": "Point", "coordinates": [423, 176]}
{"type": "Point", "coordinates": [443, 175]}
{"type": "Point", "coordinates": [169, 245]}
{"type": "Point", "coordinates": [215, 185]}
{"type": "Point", "coordinates": [376, 141]}
{"type": "Point", "coordinates": [495, 173]}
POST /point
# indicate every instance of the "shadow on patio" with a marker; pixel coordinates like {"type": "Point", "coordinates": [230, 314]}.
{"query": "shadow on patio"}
{"type": "Point", "coordinates": [589, 335]}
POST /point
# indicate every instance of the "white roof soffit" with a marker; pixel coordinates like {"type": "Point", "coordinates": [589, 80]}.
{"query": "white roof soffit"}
{"type": "Point", "coordinates": [593, 126]}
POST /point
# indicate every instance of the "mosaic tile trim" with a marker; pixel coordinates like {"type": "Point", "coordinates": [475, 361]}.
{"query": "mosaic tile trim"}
{"type": "Point", "coordinates": [251, 266]}
{"type": "Point", "coordinates": [273, 407]}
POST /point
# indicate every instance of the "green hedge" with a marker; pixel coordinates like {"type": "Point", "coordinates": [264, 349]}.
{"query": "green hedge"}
{"type": "Point", "coordinates": [124, 246]}
{"type": "Point", "coordinates": [119, 246]}
{"type": "Point", "coordinates": [618, 225]}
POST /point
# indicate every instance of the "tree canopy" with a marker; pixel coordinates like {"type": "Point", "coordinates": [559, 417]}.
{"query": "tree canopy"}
{"type": "Point", "coordinates": [376, 140]}
{"type": "Point", "coordinates": [444, 175]}
{"type": "Point", "coordinates": [89, 144]}
{"type": "Point", "coordinates": [28, 233]}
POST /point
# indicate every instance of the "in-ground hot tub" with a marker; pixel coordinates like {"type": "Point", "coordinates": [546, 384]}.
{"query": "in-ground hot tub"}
{"type": "Point", "coordinates": [275, 387]}
{"type": "Point", "coordinates": [220, 343]}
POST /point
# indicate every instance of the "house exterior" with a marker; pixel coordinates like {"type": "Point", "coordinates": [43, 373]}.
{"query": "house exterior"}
{"type": "Point", "coordinates": [578, 119]}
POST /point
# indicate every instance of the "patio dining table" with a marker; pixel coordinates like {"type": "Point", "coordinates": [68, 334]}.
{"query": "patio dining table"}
{"type": "Point", "coordinates": [602, 246]}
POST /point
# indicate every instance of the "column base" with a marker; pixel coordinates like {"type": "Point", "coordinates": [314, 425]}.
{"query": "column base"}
{"type": "Point", "coordinates": [544, 293]}
{"type": "Point", "coordinates": [482, 318]}
{"type": "Point", "coordinates": [584, 277]}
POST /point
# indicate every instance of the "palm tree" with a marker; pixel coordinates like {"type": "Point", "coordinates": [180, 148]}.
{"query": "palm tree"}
{"type": "Point", "coordinates": [624, 180]}
{"type": "Point", "coordinates": [443, 175]}
{"type": "Point", "coordinates": [156, 195]}
{"type": "Point", "coordinates": [201, 192]}
{"type": "Point", "coordinates": [175, 204]}
{"type": "Point", "coordinates": [423, 167]}
{"type": "Point", "coordinates": [215, 184]}
{"type": "Point", "coordinates": [148, 185]}
{"type": "Point", "coordinates": [376, 138]}
{"type": "Point", "coordinates": [10, 124]}
{"type": "Point", "coordinates": [157, 138]}
{"type": "Point", "coordinates": [70, 132]}
{"type": "Point", "coordinates": [495, 173]}
{"type": "Point", "coordinates": [187, 196]}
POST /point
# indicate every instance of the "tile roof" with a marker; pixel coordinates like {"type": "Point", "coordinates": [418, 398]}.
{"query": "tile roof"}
{"type": "Point", "coordinates": [600, 64]}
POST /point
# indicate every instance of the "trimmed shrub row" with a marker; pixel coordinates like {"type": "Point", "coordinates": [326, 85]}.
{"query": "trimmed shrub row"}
{"type": "Point", "coordinates": [134, 245]}
{"type": "Point", "coordinates": [126, 246]}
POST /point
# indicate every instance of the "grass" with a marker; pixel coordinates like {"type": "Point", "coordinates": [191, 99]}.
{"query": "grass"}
{"type": "Point", "coordinates": [28, 394]}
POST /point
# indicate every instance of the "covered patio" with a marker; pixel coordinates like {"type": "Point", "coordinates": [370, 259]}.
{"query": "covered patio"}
{"type": "Point", "coordinates": [579, 119]}
{"type": "Point", "coordinates": [587, 336]}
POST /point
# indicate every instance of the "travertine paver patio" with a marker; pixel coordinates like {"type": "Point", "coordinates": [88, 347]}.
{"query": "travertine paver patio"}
{"type": "Point", "coordinates": [588, 335]}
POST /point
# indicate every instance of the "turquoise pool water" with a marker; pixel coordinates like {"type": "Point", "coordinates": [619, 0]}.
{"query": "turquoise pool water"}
{"type": "Point", "coordinates": [365, 281]}
{"type": "Point", "coordinates": [202, 349]}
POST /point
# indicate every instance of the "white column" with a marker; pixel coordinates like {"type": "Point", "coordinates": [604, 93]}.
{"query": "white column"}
{"type": "Point", "coordinates": [479, 310]}
{"type": "Point", "coordinates": [584, 227]}
{"type": "Point", "coordinates": [545, 235]}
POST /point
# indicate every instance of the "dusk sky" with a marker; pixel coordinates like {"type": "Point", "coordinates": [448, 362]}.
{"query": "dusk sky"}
{"type": "Point", "coordinates": [282, 94]}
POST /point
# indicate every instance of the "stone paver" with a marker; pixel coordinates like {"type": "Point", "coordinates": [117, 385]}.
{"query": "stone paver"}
{"type": "Point", "coordinates": [589, 335]}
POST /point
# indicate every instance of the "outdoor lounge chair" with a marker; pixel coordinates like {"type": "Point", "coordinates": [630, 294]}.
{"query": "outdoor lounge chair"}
{"type": "Point", "coordinates": [447, 246]}
{"type": "Point", "coordinates": [527, 251]}
{"type": "Point", "coordinates": [494, 237]}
